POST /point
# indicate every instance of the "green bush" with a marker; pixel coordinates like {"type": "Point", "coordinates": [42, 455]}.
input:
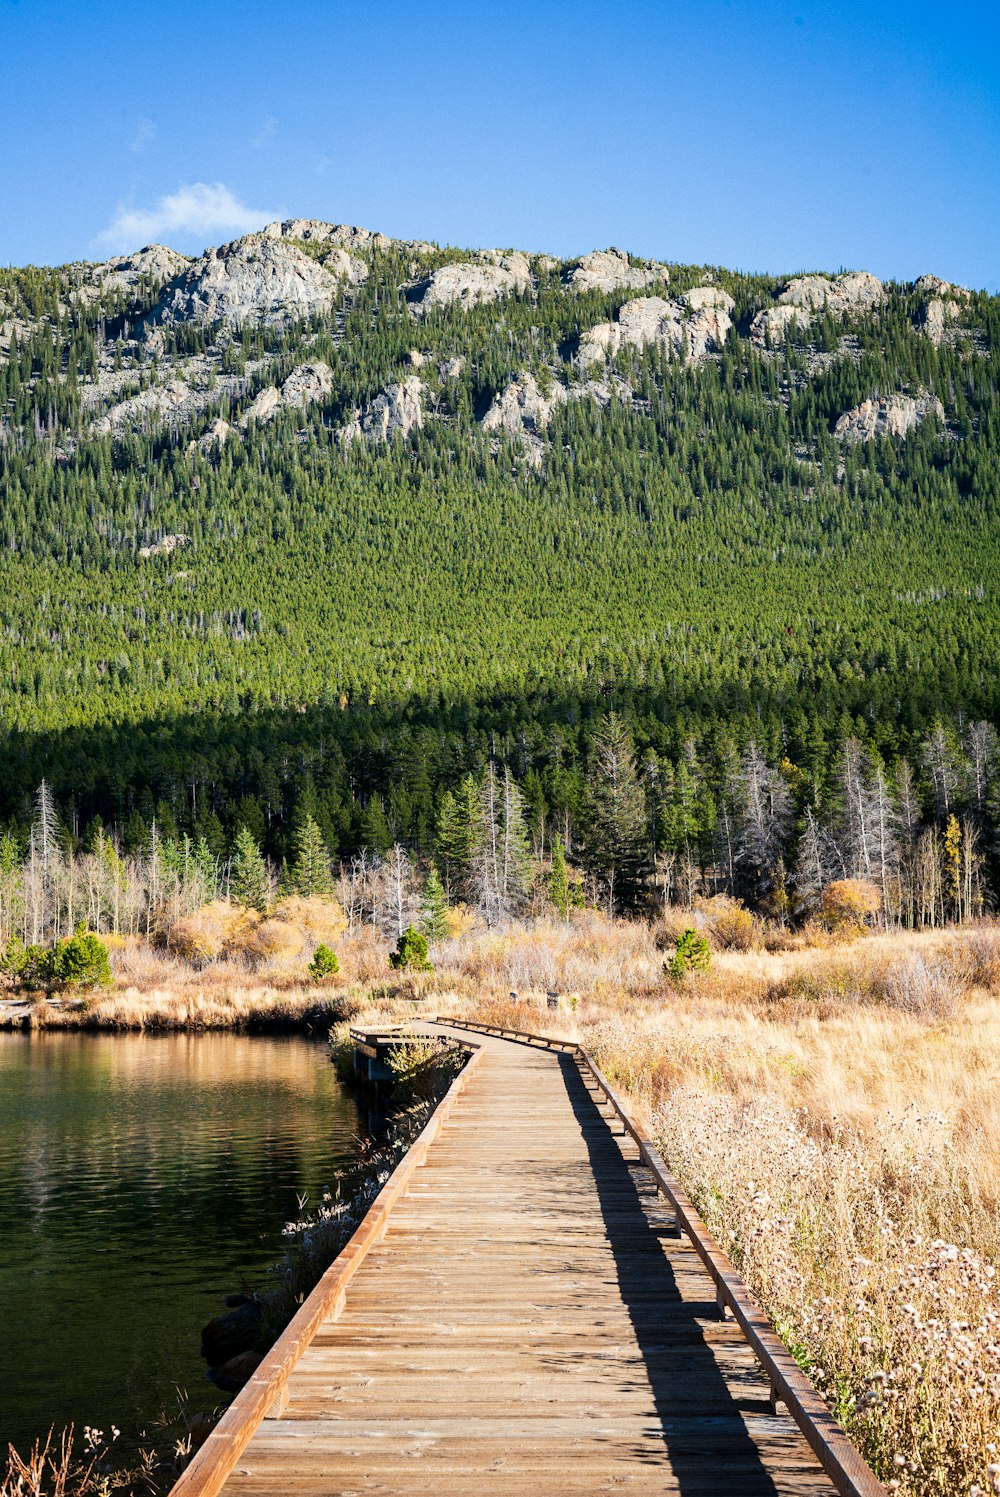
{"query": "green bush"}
{"type": "Point", "coordinates": [324, 963]}
{"type": "Point", "coordinates": [29, 966]}
{"type": "Point", "coordinates": [81, 961]}
{"type": "Point", "coordinates": [410, 953]}
{"type": "Point", "coordinates": [692, 955]}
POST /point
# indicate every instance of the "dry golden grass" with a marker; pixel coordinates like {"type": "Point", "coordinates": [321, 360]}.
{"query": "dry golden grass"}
{"type": "Point", "coordinates": [832, 1105]}
{"type": "Point", "coordinates": [834, 1110]}
{"type": "Point", "coordinates": [835, 1114]}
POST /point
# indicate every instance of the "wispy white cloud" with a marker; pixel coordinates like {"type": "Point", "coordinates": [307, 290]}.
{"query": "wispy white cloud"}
{"type": "Point", "coordinates": [196, 209]}
{"type": "Point", "coordinates": [267, 131]}
{"type": "Point", "coordinates": [144, 133]}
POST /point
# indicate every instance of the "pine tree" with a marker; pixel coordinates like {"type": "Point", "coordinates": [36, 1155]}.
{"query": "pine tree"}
{"type": "Point", "coordinates": [435, 907]}
{"type": "Point", "coordinates": [558, 881]}
{"type": "Point", "coordinates": [941, 767]}
{"type": "Point", "coordinates": [814, 867]}
{"type": "Point", "coordinates": [310, 873]}
{"type": "Point", "coordinates": [459, 834]}
{"type": "Point", "coordinates": [249, 880]}
{"type": "Point", "coordinates": [762, 806]}
{"type": "Point", "coordinates": [374, 833]}
{"type": "Point", "coordinates": [501, 866]}
{"type": "Point", "coordinates": [615, 841]}
{"type": "Point", "coordinates": [46, 839]}
{"type": "Point", "coordinates": [206, 869]}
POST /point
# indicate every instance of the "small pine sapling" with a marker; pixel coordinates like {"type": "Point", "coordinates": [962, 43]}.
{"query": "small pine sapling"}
{"type": "Point", "coordinates": [325, 963]}
{"type": "Point", "coordinates": [410, 954]}
{"type": "Point", "coordinates": [693, 954]}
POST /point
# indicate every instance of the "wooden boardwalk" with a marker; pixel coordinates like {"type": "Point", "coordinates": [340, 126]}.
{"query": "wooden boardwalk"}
{"type": "Point", "coordinates": [531, 1323]}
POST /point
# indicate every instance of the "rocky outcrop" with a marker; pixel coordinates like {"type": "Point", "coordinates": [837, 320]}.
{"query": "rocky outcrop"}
{"type": "Point", "coordinates": [522, 407]}
{"type": "Point", "coordinates": [894, 416]}
{"type": "Point", "coordinates": [691, 327]}
{"type": "Point", "coordinates": [806, 295]}
{"type": "Point", "coordinates": [936, 318]}
{"type": "Point", "coordinates": [157, 262]}
{"type": "Point", "coordinates": [933, 285]}
{"type": "Point", "coordinates": [173, 400]}
{"type": "Point", "coordinates": [487, 276]}
{"type": "Point", "coordinates": [304, 386]}
{"type": "Point", "coordinates": [154, 265]}
{"type": "Point", "coordinates": [523, 411]}
{"type": "Point", "coordinates": [855, 290]}
{"type": "Point", "coordinates": [263, 408]}
{"type": "Point", "coordinates": [165, 546]}
{"type": "Point", "coordinates": [700, 297]}
{"type": "Point", "coordinates": [313, 231]}
{"type": "Point", "coordinates": [451, 368]}
{"type": "Point", "coordinates": [256, 279]}
{"type": "Point", "coordinates": [942, 307]}
{"type": "Point", "coordinates": [611, 270]}
{"type": "Point", "coordinates": [151, 267]}
{"type": "Point", "coordinates": [217, 435]}
{"type": "Point", "coordinates": [602, 391]}
{"type": "Point", "coordinates": [396, 410]}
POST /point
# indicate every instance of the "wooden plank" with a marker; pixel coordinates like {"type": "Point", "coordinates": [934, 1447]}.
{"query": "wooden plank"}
{"type": "Point", "coordinates": [839, 1458]}
{"type": "Point", "coordinates": [206, 1474]}
{"type": "Point", "coordinates": [526, 1320]}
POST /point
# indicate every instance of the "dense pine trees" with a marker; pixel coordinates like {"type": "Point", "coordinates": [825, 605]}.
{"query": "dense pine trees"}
{"type": "Point", "coordinates": [704, 646]}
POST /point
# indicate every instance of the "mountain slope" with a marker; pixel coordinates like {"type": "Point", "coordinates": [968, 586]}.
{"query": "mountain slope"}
{"type": "Point", "coordinates": [323, 474]}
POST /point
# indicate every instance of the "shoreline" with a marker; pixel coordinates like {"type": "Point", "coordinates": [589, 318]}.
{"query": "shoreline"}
{"type": "Point", "coordinates": [164, 1012]}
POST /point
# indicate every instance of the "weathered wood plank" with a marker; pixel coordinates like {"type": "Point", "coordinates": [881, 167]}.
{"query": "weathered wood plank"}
{"type": "Point", "coordinates": [527, 1320]}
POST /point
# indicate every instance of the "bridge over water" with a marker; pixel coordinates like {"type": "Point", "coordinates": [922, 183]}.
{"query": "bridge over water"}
{"type": "Point", "coordinates": [531, 1307]}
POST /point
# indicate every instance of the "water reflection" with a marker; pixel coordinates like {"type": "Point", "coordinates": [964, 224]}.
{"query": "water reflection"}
{"type": "Point", "coordinates": [141, 1179]}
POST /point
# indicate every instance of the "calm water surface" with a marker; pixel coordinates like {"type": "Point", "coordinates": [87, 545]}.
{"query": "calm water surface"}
{"type": "Point", "coordinates": [141, 1180]}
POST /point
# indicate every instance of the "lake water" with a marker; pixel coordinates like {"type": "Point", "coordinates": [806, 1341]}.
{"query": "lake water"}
{"type": "Point", "coordinates": [142, 1179]}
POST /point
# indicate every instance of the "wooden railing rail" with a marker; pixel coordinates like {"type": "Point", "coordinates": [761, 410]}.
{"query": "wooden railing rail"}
{"type": "Point", "coordinates": [840, 1459]}
{"type": "Point", "coordinates": [266, 1391]}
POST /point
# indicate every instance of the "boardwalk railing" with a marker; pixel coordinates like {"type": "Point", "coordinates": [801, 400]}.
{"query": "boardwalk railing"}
{"type": "Point", "coordinates": [846, 1468]}
{"type": "Point", "coordinates": [266, 1391]}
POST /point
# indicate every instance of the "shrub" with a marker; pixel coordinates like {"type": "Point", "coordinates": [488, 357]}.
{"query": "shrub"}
{"type": "Point", "coordinates": [460, 920]}
{"type": "Point", "coordinates": [214, 928]}
{"type": "Point", "coordinates": [323, 964]}
{"type": "Point", "coordinates": [410, 953]}
{"type": "Point", "coordinates": [82, 961]}
{"type": "Point", "coordinates": [669, 927]}
{"type": "Point", "coordinates": [273, 938]}
{"type": "Point", "coordinates": [731, 924]}
{"type": "Point", "coordinates": [29, 966]}
{"type": "Point", "coordinates": [691, 955]}
{"type": "Point", "coordinates": [849, 903]}
{"type": "Point", "coordinates": [321, 919]}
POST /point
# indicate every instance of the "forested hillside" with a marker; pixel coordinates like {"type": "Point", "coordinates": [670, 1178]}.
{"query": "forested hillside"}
{"type": "Point", "coordinates": [322, 524]}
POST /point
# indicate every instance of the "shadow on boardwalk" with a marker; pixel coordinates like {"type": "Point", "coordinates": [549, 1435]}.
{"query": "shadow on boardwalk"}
{"type": "Point", "coordinates": [708, 1447]}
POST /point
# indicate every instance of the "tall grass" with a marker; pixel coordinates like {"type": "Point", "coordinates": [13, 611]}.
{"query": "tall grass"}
{"type": "Point", "coordinates": [835, 1116]}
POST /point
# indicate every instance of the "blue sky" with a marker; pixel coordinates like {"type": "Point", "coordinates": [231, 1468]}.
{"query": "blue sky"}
{"type": "Point", "coordinates": [764, 136]}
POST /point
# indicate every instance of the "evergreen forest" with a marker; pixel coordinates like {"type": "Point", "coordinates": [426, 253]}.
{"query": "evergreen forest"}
{"type": "Point", "coordinates": [700, 637]}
